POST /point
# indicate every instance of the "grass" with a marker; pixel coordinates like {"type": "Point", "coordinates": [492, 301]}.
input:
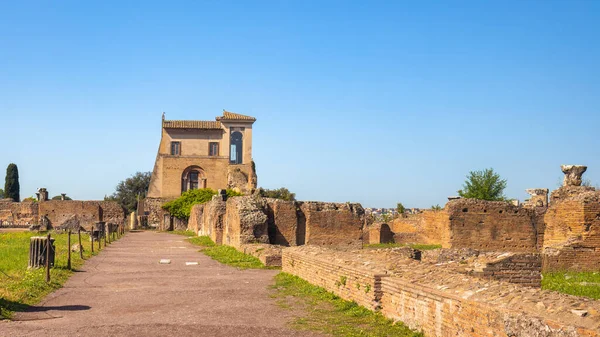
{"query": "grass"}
{"type": "Point", "coordinates": [226, 254]}
{"type": "Point", "coordinates": [327, 313]}
{"type": "Point", "coordinates": [585, 284]}
{"type": "Point", "coordinates": [411, 245]}
{"type": "Point", "coordinates": [20, 287]}
{"type": "Point", "coordinates": [184, 233]}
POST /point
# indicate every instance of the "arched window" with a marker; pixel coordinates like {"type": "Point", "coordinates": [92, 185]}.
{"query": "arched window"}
{"type": "Point", "coordinates": [235, 150]}
{"type": "Point", "coordinates": [192, 179]}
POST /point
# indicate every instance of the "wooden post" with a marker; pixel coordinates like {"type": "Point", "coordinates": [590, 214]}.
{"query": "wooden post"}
{"type": "Point", "coordinates": [69, 251]}
{"type": "Point", "coordinates": [48, 247]}
{"type": "Point", "coordinates": [92, 238]}
{"type": "Point", "coordinates": [105, 234]}
{"type": "Point", "coordinates": [80, 247]}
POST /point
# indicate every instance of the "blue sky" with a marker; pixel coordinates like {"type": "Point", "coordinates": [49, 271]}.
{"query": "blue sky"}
{"type": "Point", "coordinates": [372, 101]}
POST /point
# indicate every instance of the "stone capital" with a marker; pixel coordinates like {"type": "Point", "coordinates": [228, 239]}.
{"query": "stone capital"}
{"type": "Point", "coordinates": [573, 174]}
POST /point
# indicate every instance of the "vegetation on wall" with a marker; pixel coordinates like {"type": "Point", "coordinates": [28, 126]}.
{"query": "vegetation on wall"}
{"type": "Point", "coordinates": [436, 207]}
{"type": "Point", "coordinates": [280, 193]}
{"type": "Point", "coordinates": [11, 184]}
{"type": "Point", "coordinates": [400, 208]}
{"type": "Point", "coordinates": [131, 190]}
{"type": "Point", "coordinates": [484, 185]}
{"type": "Point", "coordinates": [182, 206]}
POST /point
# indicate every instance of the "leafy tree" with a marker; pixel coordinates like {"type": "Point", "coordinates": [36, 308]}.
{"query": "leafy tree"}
{"type": "Point", "coordinates": [1, 193]}
{"type": "Point", "coordinates": [280, 193]}
{"type": "Point", "coordinates": [58, 197]}
{"type": "Point", "coordinates": [11, 185]}
{"type": "Point", "coordinates": [31, 198]}
{"type": "Point", "coordinates": [484, 185]}
{"type": "Point", "coordinates": [182, 206]}
{"type": "Point", "coordinates": [128, 190]}
{"type": "Point", "coordinates": [400, 208]}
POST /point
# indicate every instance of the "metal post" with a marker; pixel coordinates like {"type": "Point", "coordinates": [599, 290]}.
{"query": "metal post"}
{"type": "Point", "coordinates": [69, 251]}
{"type": "Point", "coordinates": [48, 247]}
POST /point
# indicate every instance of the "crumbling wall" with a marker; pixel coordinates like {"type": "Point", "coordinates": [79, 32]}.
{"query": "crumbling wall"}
{"type": "Point", "coordinates": [242, 178]}
{"type": "Point", "coordinates": [282, 222]}
{"type": "Point", "coordinates": [378, 233]}
{"type": "Point", "coordinates": [18, 214]}
{"type": "Point", "coordinates": [112, 212]}
{"type": "Point", "coordinates": [60, 212]}
{"type": "Point", "coordinates": [152, 209]}
{"type": "Point", "coordinates": [572, 235]}
{"type": "Point", "coordinates": [332, 224]}
{"type": "Point", "coordinates": [440, 302]}
{"type": "Point", "coordinates": [427, 227]}
{"type": "Point", "coordinates": [492, 226]}
{"type": "Point", "coordinates": [523, 269]}
{"type": "Point", "coordinates": [245, 221]}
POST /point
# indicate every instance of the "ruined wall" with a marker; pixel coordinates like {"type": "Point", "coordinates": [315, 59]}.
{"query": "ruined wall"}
{"type": "Point", "coordinates": [112, 212]}
{"type": "Point", "coordinates": [428, 227]}
{"type": "Point", "coordinates": [209, 219]}
{"type": "Point", "coordinates": [442, 303]}
{"type": "Point", "coordinates": [245, 221]}
{"type": "Point", "coordinates": [523, 269]}
{"type": "Point", "coordinates": [18, 214]}
{"type": "Point", "coordinates": [282, 222]}
{"type": "Point", "coordinates": [378, 233]}
{"type": "Point", "coordinates": [492, 226]}
{"type": "Point", "coordinates": [332, 224]}
{"type": "Point", "coordinates": [60, 212]}
{"type": "Point", "coordinates": [152, 209]}
{"type": "Point", "coordinates": [572, 236]}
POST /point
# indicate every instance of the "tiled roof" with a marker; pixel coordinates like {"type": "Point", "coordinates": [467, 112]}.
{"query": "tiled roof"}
{"type": "Point", "coordinates": [208, 125]}
{"type": "Point", "coordinates": [233, 116]}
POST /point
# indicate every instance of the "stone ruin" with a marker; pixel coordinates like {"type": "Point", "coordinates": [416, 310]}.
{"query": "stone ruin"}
{"type": "Point", "coordinates": [45, 214]}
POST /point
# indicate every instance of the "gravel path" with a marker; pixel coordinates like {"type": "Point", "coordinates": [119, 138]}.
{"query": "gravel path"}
{"type": "Point", "coordinates": [124, 291]}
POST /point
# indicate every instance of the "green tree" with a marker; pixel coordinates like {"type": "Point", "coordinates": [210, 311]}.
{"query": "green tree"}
{"type": "Point", "coordinates": [400, 208]}
{"type": "Point", "coordinates": [436, 207]}
{"type": "Point", "coordinates": [280, 193]}
{"type": "Point", "coordinates": [1, 193]}
{"type": "Point", "coordinates": [128, 190]}
{"type": "Point", "coordinates": [484, 185]}
{"type": "Point", "coordinates": [11, 185]}
{"type": "Point", "coordinates": [58, 197]}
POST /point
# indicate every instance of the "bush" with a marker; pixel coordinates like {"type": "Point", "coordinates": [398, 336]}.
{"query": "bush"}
{"type": "Point", "coordinates": [182, 206]}
{"type": "Point", "coordinates": [58, 197]}
{"type": "Point", "coordinates": [484, 185]}
{"type": "Point", "coordinates": [280, 193]}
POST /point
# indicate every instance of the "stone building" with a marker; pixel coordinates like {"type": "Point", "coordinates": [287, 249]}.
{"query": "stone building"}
{"type": "Point", "coordinates": [197, 154]}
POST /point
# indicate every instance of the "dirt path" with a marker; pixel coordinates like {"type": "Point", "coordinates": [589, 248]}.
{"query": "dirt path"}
{"type": "Point", "coordinates": [124, 291]}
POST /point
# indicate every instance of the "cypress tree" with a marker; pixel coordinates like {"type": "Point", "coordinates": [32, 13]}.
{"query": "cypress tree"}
{"type": "Point", "coordinates": [11, 186]}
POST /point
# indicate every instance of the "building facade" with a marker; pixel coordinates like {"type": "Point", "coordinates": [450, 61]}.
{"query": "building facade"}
{"type": "Point", "coordinates": [197, 154]}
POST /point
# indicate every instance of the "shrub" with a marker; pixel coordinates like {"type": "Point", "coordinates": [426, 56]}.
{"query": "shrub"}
{"type": "Point", "coordinates": [484, 185]}
{"type": "Point", "coordinates": [182, 206]}
{"type": "Point", "coordinates": [280, 193]}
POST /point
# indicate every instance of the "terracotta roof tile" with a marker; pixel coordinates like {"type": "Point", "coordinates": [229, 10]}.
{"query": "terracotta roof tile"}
{"type": "Point", "coordinates": [208, 125]}
{"type": "Point", "coordinates": [227, 115]}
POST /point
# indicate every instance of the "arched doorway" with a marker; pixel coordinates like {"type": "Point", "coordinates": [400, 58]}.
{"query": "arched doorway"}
{"type": "Point", "coordinates": [192, 178]}
{"type": "Point", "coordinates": [235, 149]}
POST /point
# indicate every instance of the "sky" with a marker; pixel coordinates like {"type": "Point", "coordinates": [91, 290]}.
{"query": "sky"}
{"type": "Point", "coordinates": [376, 102]}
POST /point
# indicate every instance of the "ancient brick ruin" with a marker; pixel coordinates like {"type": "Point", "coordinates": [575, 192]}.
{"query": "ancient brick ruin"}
{"type": "Point", "coordinates": [484, 281]}
{"type": "Point", "coordinates": [57, 214]}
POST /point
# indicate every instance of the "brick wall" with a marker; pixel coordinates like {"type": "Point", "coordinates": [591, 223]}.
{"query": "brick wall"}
{"type": "Point", "coordinates": [492, 226]}
{"type": "Point", "coordinates": [428, 227]}
{"type": "Point", "coordinates": [18, 214]}
{"type": "Point", "coordinates": [112, 212]}
{"type": "Point", "coordinates": [523, 269]}
{"type": "Point", "coordinates": [282, 221]}
{"type": "Point", "coordinates": [441, 303]}
{"type": "Point", "coordinates": [354, 284]}
{"type": "Point", "coordinates": [572, 235]}
{"type": "Point", "coordinates": [61, 211]}
{"type": "Point", "coordinates": [331, 224]}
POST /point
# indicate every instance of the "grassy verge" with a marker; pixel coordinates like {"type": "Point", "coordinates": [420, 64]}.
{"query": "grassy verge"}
{"type": "Point", "coordinates": [226, 254]}
{"type": "Point", "coordinates": [412, 245]}
{"type": "Point", "coordinates": [327, 313]}
{"type": "Point", "coordinates": [579, 284]}
{"type": "Point", "coordinates": [20, 287]}
{"type": "Point", "coordinates": [184, 233]}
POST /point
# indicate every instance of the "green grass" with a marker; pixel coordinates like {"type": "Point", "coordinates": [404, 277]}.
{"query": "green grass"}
{"type": "Point", "coordinates": [226, 254]}
{"type": "Point", "coordinates": [585, 284]}
{"type": "Point", "coordinates": [412, 245]}
{"type": "Point", "coordinates": [327, 313]}
{"type": "Point", "coordinates": [184, 233]}
{"type": "Point", "coordinates": [20, 287]}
